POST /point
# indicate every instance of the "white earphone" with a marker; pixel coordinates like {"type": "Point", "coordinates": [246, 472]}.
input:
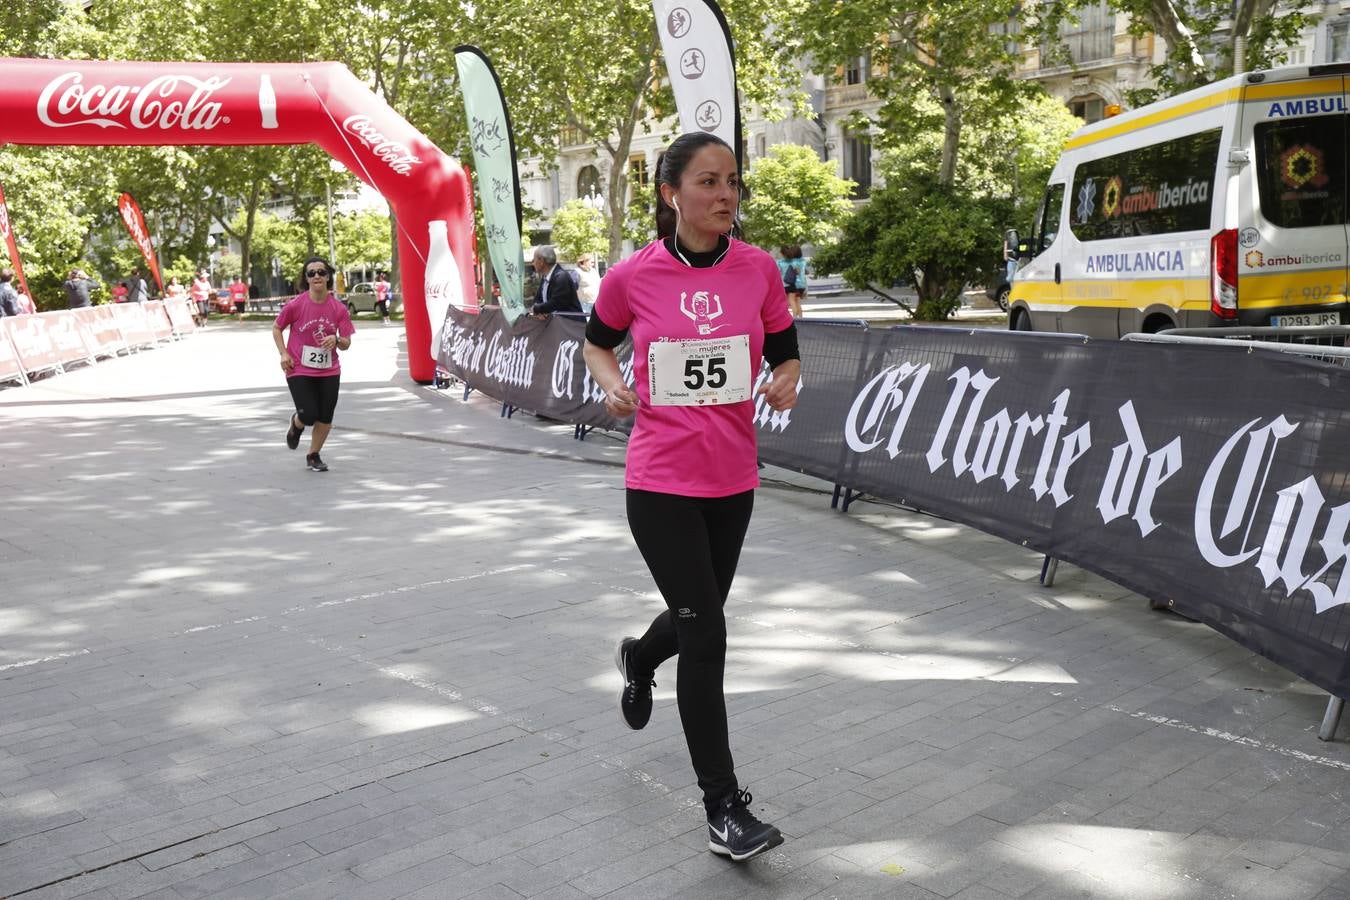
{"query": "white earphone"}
{"type": "Point", "coordinates": [675, 203]}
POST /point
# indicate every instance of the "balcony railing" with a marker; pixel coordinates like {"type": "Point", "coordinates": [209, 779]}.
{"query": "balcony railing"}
{"type": "Point", "coordinates": [845, 94]}
{"type": "Point", "coordinates": [1082, 46]}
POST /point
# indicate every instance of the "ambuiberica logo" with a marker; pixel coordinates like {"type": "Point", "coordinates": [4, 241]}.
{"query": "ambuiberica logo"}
{"type": "Point", "coordinates": [1255, 259]}
{"type": "Point", "coordinates": [1120, 199]}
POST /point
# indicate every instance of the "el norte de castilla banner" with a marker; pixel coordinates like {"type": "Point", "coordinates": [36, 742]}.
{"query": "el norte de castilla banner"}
{"type": "Point", "coordinates": [1212, 478]}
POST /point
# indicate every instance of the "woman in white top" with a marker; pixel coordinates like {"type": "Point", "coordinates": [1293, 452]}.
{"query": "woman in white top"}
{"type": "Point", "coordinates": [588, 281]}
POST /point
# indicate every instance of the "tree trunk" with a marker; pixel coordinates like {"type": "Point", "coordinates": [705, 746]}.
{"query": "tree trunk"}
{"type": "Point", "coordinates": [246, 241]}
{"type": "Point", "coordinates": [951, 135]}
{"type": "Point", "coordinates": [618, 179]}
{"type": "Point", "coordinates": [1166, 21]}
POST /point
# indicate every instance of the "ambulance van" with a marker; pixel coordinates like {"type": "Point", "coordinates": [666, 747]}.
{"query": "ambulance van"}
{"type": "Point", "coordinates": [1222, 206]}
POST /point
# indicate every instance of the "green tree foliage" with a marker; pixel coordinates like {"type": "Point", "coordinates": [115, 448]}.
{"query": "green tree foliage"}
{"type": "Point", "coordinates": [578, 229]}
{"type": "Point", "coordinates": [228, 265]}
{"type": "Point", "coordinates": [944, 75]}
{"type": "Point", "coordinates": [362, 239]}
{"type": "Point", "coordinates": [795, 198]}
{"type": "Point", "coordinates": [939, 238]}
{"type": "Point", "coordinates": [282, 240]}
{"type": "Point", "coordinates": [49, 192]}
{"type": "Point", "coordinates": [182, 268]}
{"type": "Point", "coordinates": [918, 232]}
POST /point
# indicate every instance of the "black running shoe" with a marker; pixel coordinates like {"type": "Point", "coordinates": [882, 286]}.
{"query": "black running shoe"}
{"type": "Point", "coordinates": [734, 832]}
{"type": "Point", "coordinates": [636, 700]}
{"type": "Point", "coordinates": [293, 435]}
{"type": "Point", "coordinates": [315, 464]}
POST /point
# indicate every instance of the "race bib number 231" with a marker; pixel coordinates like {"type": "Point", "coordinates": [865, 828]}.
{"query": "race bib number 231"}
{"type": "Point", "coordinates": [708, 372]}
{"type": "Point", "coordinates": [316, 357]}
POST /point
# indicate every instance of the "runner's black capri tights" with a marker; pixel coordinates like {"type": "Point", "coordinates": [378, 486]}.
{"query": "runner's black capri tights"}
{"type": "Point", "coordinates": [692, 545]}
{"type": "Point", "coordinates": [315, 397]}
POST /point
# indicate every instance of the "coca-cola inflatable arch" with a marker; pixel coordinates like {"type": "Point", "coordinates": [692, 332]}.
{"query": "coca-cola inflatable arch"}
{"type": "Point", "coordinates": [51, 102]}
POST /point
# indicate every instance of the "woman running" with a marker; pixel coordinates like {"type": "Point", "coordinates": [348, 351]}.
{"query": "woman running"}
{"type": "Point", "coordinates": [703, 308]}
{"type": "Point", "coordinates": [320, 326]}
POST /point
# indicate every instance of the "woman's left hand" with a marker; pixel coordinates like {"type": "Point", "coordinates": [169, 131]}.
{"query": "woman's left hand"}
{"type": "Point", "coordinates": [781, 391]}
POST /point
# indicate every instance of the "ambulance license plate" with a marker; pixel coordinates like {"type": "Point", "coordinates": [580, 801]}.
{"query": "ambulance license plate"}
{"type": "Point", "coordinates": [1302, 319]}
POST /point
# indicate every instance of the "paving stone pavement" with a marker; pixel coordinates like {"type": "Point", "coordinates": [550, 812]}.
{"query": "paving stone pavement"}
{"type": "Point", "coordinates": [223, 675]}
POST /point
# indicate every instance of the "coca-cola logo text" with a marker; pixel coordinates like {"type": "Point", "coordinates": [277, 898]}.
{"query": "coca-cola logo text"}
{"type": "Point", "coordinates": [397, 156]}
{"type": "Point", "coordinates": [165, 102]}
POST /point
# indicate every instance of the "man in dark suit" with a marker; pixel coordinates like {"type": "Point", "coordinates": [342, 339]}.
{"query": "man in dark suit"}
{"type": "Point", "coordinates": [556, 291]}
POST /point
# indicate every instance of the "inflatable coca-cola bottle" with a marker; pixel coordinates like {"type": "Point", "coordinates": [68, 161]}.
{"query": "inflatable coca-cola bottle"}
{"type": "Point", "coordinates": [441, 282]}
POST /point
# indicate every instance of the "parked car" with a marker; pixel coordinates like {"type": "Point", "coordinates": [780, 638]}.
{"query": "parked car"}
{"type": "Point", "coordinates": [998, 289]}
{"type": "Point", "coordinates": [361, 298]}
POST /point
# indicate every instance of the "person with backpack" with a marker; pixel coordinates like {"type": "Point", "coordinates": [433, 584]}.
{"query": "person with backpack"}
{"type": "Point", "coordinates": [792, 267]}
{"type": "Point", "coordinates": [9, 298]}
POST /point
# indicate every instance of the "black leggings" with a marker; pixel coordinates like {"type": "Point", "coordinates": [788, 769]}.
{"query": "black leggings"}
{"type": "Point", "coordinates": [692, 545]}
{"type": "Point", "coordinates": [315, 397]}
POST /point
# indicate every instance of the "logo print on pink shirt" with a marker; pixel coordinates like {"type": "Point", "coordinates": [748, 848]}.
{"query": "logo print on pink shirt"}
{"type": "Point", "coordinates": [699, 311]}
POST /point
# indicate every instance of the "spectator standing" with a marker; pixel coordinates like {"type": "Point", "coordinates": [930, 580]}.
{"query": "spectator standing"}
{"type": "Point", "coordinates": [120, 291]}
{"type": "Point", "coordinates": [9, 298]}
{"type": "Point", "coordinates": [588, 281]}
{"type": "Point", "coordinates": [174, 289]}
{"type": "Point", "coordinates": [137, 290]}
{"type": "Point", "coordinates": [793, 270]}
{"type": "Point", "coordinates": [382, 289]}
{"type": "Point", "coordinates": [556, 291]}
{"type": "Point", "coordinates": [201, 295]}
{"type": "Point", "coordinates": [78, 288]}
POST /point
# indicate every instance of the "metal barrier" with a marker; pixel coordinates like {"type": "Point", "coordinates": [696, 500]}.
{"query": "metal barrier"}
{"type": "Point", "coordinates": [1327, 343]}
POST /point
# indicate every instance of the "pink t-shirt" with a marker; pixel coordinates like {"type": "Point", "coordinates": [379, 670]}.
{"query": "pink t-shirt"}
{"type": "Point", "coordinates": [381, 291]}
{"type": "Point", "coordinates": [696, 451]}
{"type": "Point", "coordinates": [310, 323]}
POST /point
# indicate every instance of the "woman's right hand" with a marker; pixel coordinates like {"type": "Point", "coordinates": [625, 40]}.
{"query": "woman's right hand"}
{"type": "Point", "coordinates": [287, 362]}
{"type": "Point", "coordinates": [621, 402]}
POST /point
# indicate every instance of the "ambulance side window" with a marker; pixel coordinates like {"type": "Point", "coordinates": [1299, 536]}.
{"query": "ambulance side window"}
{"type": "Point", "coordinates": [1163, 188]}
{"type": "Point", "coordinates": [1047, 223]}
{"type": "Point", "coordinates": [1300, 171]}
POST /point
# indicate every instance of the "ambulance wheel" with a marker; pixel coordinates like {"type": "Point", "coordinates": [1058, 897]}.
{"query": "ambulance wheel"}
{"type": "Point", "coordinates": [1020, 321]}
{"type": "Point", "coordinates": [1155, 324]}
{"type": "Point", "coordinates": [1002, 298]}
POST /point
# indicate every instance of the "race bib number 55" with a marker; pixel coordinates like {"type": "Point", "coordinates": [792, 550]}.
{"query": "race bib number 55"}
{"type": "Point", "coordinates": [709, 372]}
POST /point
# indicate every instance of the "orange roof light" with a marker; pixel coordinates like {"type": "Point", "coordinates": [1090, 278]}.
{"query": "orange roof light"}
{"type": "Point", "coordinates": [1112, 110]}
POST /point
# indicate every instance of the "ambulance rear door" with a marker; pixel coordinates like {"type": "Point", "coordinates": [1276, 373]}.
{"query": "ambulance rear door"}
{"type": "Point", "coordinates": [1293, 247]}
